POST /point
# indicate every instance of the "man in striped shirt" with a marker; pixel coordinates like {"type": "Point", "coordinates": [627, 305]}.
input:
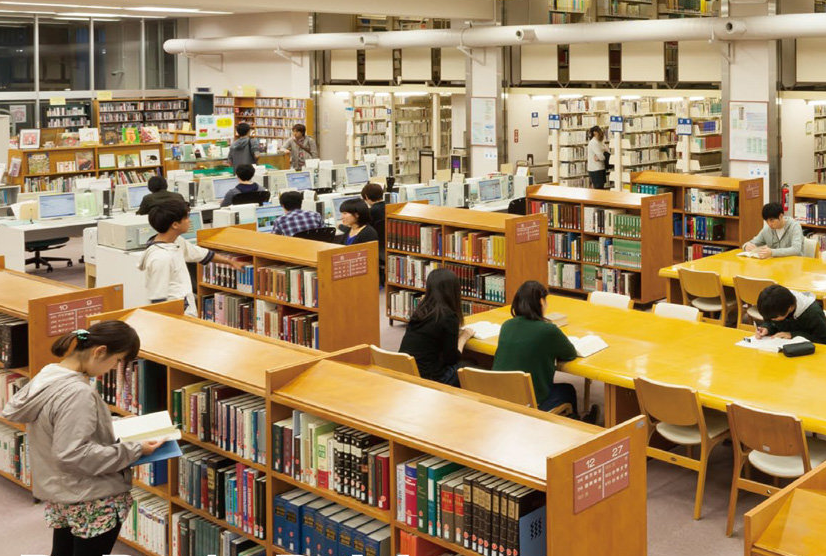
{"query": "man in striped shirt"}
{"type": "Point", "coordinates": [296, 220]}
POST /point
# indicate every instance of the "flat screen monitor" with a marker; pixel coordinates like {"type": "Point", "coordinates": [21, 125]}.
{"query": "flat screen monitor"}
{"type": "Point", "coordinates": [490, 190]}
{"type": "Point", "coordinates": [196, 222]}
{"type": "Point", "coordinates": [431, 193]}
{"type": "Point", "coordinates": [337, 201]}
{"type": "Point", "coordinates": [135, 195]}
{"type": "Point", "coordinates": [59, 205]}
{"type": "Point", "coordinates": [265, 217]}
{"type": "Point", "coordinates": [220, 187]}
{"type": "Point", "coordinates": [357, 175]}
{"type": "Point", "coordinates": [299, 180]}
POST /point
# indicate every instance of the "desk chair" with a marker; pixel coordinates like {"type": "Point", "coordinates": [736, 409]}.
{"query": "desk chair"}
{"type": "Point", "coordinates": [811, 248]}
{"type": "Point", "coordinates": [326, 234]}
{"type": "Point", "coordinates": [37, 247]}
{"type": "Point", "coordinates": [704, 290]}
{"type": "Point", "coordinates": [518, 206]}
{"type": "Point", "coordinates": [608, 299]}
{"type": "Point", "coordinates": [511, 386]}
{"type": "Point", "coordinates": [775, 444]}
{"type": "Point", "coordinates": [394, 361]}
{"type": "Point", "coordinates": [675, 412]}
{"type": "Point", "coordinates": [746, 292]}
{"type": "Point", "coordinates": [675, 311]}
{"type": "Point", "coordinates": [258, 197]}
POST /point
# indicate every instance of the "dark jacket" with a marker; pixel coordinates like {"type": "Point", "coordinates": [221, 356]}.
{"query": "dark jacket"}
{"type": "Point", "coordinates": [240, 188]}
{"type": "Point", "coordinates": [368, 233]}
{"type": "Point", "coordinates": [158, 198]}
{"type": "Point", "coordinates": [434, 344]}
{"type": "Point", "coordinates": [243, 151]}
{"type": "Point", "coordinates": [377, 213]}
{"type": "Point", "coordinates": [807, 320]}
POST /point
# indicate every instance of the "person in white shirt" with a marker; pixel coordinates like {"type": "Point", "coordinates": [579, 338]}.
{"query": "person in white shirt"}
{"type": "Point", "coordinates": [596, 157]}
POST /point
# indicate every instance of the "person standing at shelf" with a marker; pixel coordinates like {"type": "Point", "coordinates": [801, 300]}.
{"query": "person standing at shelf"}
{"type": "Point", "coordinates": [596, 157]}
{"type": "Point", "coordinates": [79, 469]}
{"type": "Point", "coordinates": [245, 149]}
{"type": "Point", "coordinates": [780, 237]}
{"type": "Point", "coordinates": [300, 147]}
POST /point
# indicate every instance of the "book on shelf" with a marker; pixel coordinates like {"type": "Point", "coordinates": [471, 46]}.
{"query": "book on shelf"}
{"type": "Point", "coordinates": [611, 222]}
{"type": "Point", "coordinates": [14, 342]}
{"type": "Point", "coordinates": [150, 134]}
{"type": "Point", "coordinates": [152, 474]}
{"type": "Point", "coordinates": [111, 137]}
{"type": "Point", "coordinates": [89, 135]}
{"type": "Point", "coordinates": [698, 251]}
{"type": "Point", "coordinates": [705, 228]}
{"type": "Point", "coordinates": [14, 166]}
{"type": "Point", "coordinates": [711, 202]}
{"type": "Point", "coordinates": [476, 247]}
{"type": "Point", "coordinates": [289, 283]}
{"type": "Point", "coordinates": [150, 427]}
{"type": "Point", "coordinates": [127, 177]}
{"type": "Point", "coordinates": [648, 189]}
{"type": "Point", "coordinates": [564, 275]}
{"type": "Point", "coordinates": [564, 244]}
{"type": "Point", "coordinates": [486, 286]}
{"type": "Point", "coordinates": [10, 384]}
{"type": "Point", "coordinates": [68, 139]}
{"type": "Point", "coordinates": [137, 387]}
{"type": "Point", "coordinates": [148, 521]}
{"type": "Point", "coordinates": [85, 160]}
{"type": "Point", "coordinates": [404, 303]}
{"type": "Point", "coordinates": [409, 271]}
{"type": "Point", "coordinates": [811, 212]}
{"type": "Point", "coordinates": [560, 215]}
{"type": "Point", "coordinates": [193, 535]}
{"type": "Point", "coordinates": [130, 135]}
{"type": "Point", "coordinates": [14, 454]}
{"type": "Point", "coordinates": [150, 157]}
{"type": "Point", "coordinates": [286, 323]}
{"type": "Point", "coordinates": [414, 237]}
{"type": "Point", "coordinates": [65, 166]}
{"type": "Point", "coordinates": [595, 278]}
{"type": "Point", "coordinates": [225, 275]}
{"type": "Point", "coordinates": [38, 163]}
{"type": "Point", "coordinates": [128, 160]}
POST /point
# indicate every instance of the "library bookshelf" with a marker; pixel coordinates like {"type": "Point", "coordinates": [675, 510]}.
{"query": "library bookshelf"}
{"type": "Point", "coordinates": [702, 224]}
{"type": "Point", "coordinates": [520, 237]}
{"type": "Point", "coordinates": [810, 210]}
{"type": "Point", "coordinates": [608, 240]}
{"type": "Point", "coordinates": [164, 112]}
{"type": "Point", "coordinates": [271, 118]}
{"type": "Point", "coordinates": [346, 282]}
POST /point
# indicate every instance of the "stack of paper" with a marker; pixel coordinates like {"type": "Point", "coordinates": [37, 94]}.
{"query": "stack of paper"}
{"type": "Point", "coordinates": [151, 427]}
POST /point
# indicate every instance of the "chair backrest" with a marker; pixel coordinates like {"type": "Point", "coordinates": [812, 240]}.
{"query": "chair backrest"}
{"type": "Point", "coordinates": [775, 434]}
{"type": "Point", "coordinates": [675, 405]}
{"type": "Point", "coordinates": [518, 206]}
{"type": "Point", "coordinates": [512, 386]}
{"type": "Point", "coordinates": [608, 299]}
{"type": "Point", "coordinates": [811, 247]}
{"type": "Point", "coordinates": [326, 234]}
{"type": "Point", "coordinates": [250, 197]}
{"type": "Point", "coordinates": [674, 311]}
{"type": "Point", "coordinates": [748, 289]}
{"type": "Point", "coordinates": [700, 283]}
{"type": "Point", "coordinates": [400, 362]}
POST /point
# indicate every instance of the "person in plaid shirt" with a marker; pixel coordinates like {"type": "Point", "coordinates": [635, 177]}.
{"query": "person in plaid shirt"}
{"type": "Point", "coordinates": [296, 220]}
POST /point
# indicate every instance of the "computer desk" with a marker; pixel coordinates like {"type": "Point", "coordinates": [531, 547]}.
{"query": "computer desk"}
{"type": "Point", "coordinates": [796, 273]}
{"type": "Point", "coordinates": [14, 235]}
{"type": "Point", "coordinates": [694, 354]}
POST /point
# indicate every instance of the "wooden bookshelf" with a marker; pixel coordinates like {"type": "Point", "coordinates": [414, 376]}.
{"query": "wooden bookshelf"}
{"type": "Point", "coordinates": [653, 235]}
{"type": "Point", "coordinates": [163, 112]}
{"type": "Point", "coordinates": [738, 228]}
{"type": "Point", "coordinates": [347, 301]}
{"type": "Point", "coordinates": [271, 118]}
{"type": "Point", "coordinates": [70, 116]}
{"type": "Point", "coordinates": [809, 193]}
{"type": "Point", "coordinates": [524, 256]}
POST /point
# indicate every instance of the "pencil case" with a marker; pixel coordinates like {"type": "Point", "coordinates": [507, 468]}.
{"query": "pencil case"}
{"type": "Point", "coordinates": [798, 349]}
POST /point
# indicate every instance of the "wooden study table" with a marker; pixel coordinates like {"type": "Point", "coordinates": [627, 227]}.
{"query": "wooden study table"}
{"type": "Point", "coordinates": [699, 355]}
{"type": "Point", "coordinates": [796, 273]}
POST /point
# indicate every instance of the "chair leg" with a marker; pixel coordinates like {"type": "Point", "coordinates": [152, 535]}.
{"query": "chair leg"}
{"type": "Point", "coordinates": [701, 483]}
{"type": "Point", "coordinates": [732, 501]}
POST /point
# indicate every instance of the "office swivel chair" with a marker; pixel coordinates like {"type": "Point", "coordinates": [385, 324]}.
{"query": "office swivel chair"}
{"type": "Point", "coordinates": [37, 247]}
{"type": "Point", "coordinates": [259, 197]}
{"type": "Point", "coordinates": [518, 206]}
{"type": "Point", "coordinates": [326, 234]}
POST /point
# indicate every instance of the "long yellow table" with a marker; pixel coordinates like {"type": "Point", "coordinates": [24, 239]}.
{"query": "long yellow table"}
{"type": "Point", "coordinates": [796, 273]}
{"type": "Point", "coordinates": [699, 355]}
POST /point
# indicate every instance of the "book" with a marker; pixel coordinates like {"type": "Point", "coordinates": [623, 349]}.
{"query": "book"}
{"type": "Point", "coordinates": [150, 157]}
{"type": "Point", "coordinates": [111, 137]}
{"type": "Point", "coordinates": [65, 166]}
{"type": "Point", "coordinates": [588, 345]}
{"type": "Point", "coordinates": [89, 135]}
{"type": "Point", "coordinates": [128, 160]}
{"type": "Point", "coordinates": [130, 136]}
{"type": "Point", "coordinates": [68, 139]}
{"type": "Point", "coordinates": [14, 166]}
{"type": "Point", "coordinates": [749, 254]}
{"type": "Point", "coordinates": [85, 160]}
{"type": "Point", "coordinates": [150, 134]}
{"type": "Point", "coordinates": [106, 160]}
{"type": "Point", "coordinates": [482, 330]}
{"type": "Point", "coordinates": [38, 163]}
{"type": "Point", "coordinates": [151, 427]}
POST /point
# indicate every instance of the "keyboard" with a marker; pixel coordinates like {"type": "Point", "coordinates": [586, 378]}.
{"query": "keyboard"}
{"type": "Point", "coordinates": [493, 206]}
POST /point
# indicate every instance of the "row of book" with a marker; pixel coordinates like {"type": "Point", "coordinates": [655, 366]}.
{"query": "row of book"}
{"type": "Point", "coordinates": [573, 105]}
{"type": "Point", "coordinates": [14, 342]}
{"type": "Point", "coordinates": [227, 490]}
{"type": "Point", "coordinates": [573, 137]}
{"type": "Point", "coordinates": [284, 113]}
{"type": "Point", "coordinates": [581, 181]}
{"type": "Point", "coordinates": [572, 154]}
{"type": "Point", "coordinates": [280, 102]}
{"type": "Point", "coordinates": [648, 189]}
{"type": "Point", "coordinates": [572, 169]}
{"type": "Point", "coordinates": [489, 286]}
{"type": "Point", "coordinates": [138, 387]}
{"type": "Point", "coordinates": [580, 121]}
{"type": "Point", "coordinates": [129, 177]}
{"type": "Point", "coordinates": [649, 123]}
{"type": "Point", "coordinates": [152, 474]}
{"type": "Point", "coordinates": [409, 271]}
{"type": "Point", "coordinates": [821, 240]}
{"type": "Point", "coordinates": [698, 251]}
{"type": "Point", "coordinates": [559, 215]}
{"type": "Point", "coordinates": [564, 275]}
{"type": "Point", "coordinates": [371, 127]}
{"type": "Point", "coordinates": [648, 156]}
{"type": "Point", "coordinates": [362, 113]}
{"type": "Point", "coordinates": [708, 126]}
{"type": "Point", "coordinates": [371, 141]}
{"type": "Point", "coordinates": [414, 237]}
{"type": "Point", "coordinates": [613, 251]}
{"type": "Point", "coordinates": [706, 143]}
{"type": "Point", "coordinates": [8, 195]}
{"type": "Point", "coordinates": [610, 280]}
{"type": "Point", "coordinates": [295, 326]}
{"type": "Point", "coordinates": [705, 227]}
{"type": "Point", "coordinates": [118, 117]}
{"type": "Point", "coordinates": [403, 303]}
{"type": "Point", "coordinates": [472, 307]}
{"type": "Point", "coordinates": [229, 309]}
{"type": "Point", "coordinates": [166, 116]}
{"type": "Point", "coordinates": [653, 139]}
{"type": "Point", "coordinates": [148, 521]}
{"type": "Point", "coordinates": [55, 111]}
{"type": "Point", "coordinates": [612, 222]}
{"type": "Point", "coordinates": [10, 384]}
{"type": "Point", "coordinates": [61, 184]}
{"type": "Point", "coordinates": [564, 244]}
{"type": "Point", "coordinates": [475, 247]}
{"type": "Point", "coordinates": [195, 536]}
{"type": "Point", "coordinates": [811, 212]}
{"type": "Point", "coordinates": [227, 276]}
{"type": "Point", "coordinates": [14, 454]}
{"type": "Point", "coordinates": [711, 202]}
{"type": "Point", "coordinates": [289, 283]}
{"type": "Point", "coordinates": [68, 122]}
{"type": "Point", "coordinates": [228, 418]}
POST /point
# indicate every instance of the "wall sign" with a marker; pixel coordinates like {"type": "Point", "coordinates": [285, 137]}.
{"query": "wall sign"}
{"type": "Point", "coordinates": [349, 265]}
{"type": "Point", "coordinates": [483, 121]}
{"type": "Point", "coordinates": [534, 119]}
{"type": "Point", "coordinates": [684, 126]}
{"type": "Point", "coordinates": [211, 126]}
{"type": "Point", "coordinates": [62, 318]}
{"type": "Point", "coordinates": [554, 122]}
{"type": "Point", "coordinates": [601, 474]}
{"type": "Point", "coordinates": [749, 131]}
{"type": "Point", "coordinates": [616, 124]}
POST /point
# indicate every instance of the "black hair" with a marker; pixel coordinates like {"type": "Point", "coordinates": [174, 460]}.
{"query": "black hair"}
{"type": "Point", "coordinates": [527, 301]}
{"type": "Point", "coordinates": [291, 200]}
{"type": "Point", "coordinates": [775, 301]}
{"type": "Point", "coordinates": [242, 129]}
{"type": "Point", "coordinates": [156, 183]}
{"type": "Point", "coordinates": [593, 131]}
{"type": "Point", "coordinates": [245, 172]}
{"type": "Point", "coordinates": [772, 210]}
{"type": "Point", "coordinates": [300, 127]}
{"type": "Point", "coordinates": [117, 336]}
{"type": "Point", "coordinates": [357, 208]}
{"type": "Point", "coordinates": [163, 215]}
{"type": "Point", "coordinates": [442, 297]}
{"type": "Point", "coordinates": [372, 191]}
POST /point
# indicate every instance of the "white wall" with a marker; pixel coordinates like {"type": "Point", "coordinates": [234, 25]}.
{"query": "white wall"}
{"type": "Point", "coordinates": [797, 141]}
{"type": "Point", "coordinates": [272, 75]}
{"type": "Point", "coordinates": [332, 127]}
{"type": "Point", "coordinates": [532, 140]}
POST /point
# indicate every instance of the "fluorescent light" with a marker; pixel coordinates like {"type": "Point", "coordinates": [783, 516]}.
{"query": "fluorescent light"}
{"type": "Point", "coordinates": [382, 94]}
{"type": "Point", "coordinates": [630, 97]}
{"type": "Point", "coordinates": [696, 98]}
{"type": "Point", "coordinates": [94, 14]}
{"type": "Point", "coordinates": [542, 97]}
{"type": "Point", "coordinates": [58, 5]}
{"type": "Point", "coordinates": [343, 94]}
{"type": "Point", "coordinates": [410, 94]}
{"type": "Point", "coordinates": [570, 96]}
{"type": "Point", "coordinates": [603, 98]}
{"type": "Point", "coordinates": [670, 99]}
{"type": "Point", "coordinates": [156, 9]}
{"type": "Point", "coordinates": [26, 12]}
{"type": "Point", "coordinates": [445, 94]}
{"type": "Point", "coordinates": [363, 93]}
{"type": "Point", "coordinates": [816, 102]}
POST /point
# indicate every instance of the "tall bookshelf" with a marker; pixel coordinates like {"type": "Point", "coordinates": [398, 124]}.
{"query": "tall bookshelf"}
{"type": "Point", "coordinates": [712, 214]}
{"type": "Point", "coordinates": [820, 143]}
{"type": "Point", "coordinates": [486, 283]}
{"type": "Point", "coordinates": [271, 118]}
{"type": "Point", "coordinates": [344, 279]}
{"type": "Point", "coordinates": [610, 10]}
{"type": "Point", "coordinates": [671, 9]}
{"type": "Point", "coordinates": [412, 132]}
{"type": "Point", "coordinates": [372, 125]}
{"type": "Point", "coordinates": [655, 122]}
{"type": "Point", "coordinates": [569, 145]}
{"type": "Point", "coordinates": [165, 113]}
{"type": "Point", "coordinates": [602, 240]}
{"type": "Point", "coordinates": [702, 151]}
{"type": "Point", "coordinates": [568, 11]}
{"type": "Point", "coordinates": [442, 129]}
{"type": "Point", "coordinates": [70, 116]}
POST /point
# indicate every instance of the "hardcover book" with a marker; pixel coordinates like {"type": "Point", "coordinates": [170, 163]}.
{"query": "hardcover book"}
{"type": "Point", "coordinates": [39, 163]}
{"type": "Point", "coordinates": [85, 160]}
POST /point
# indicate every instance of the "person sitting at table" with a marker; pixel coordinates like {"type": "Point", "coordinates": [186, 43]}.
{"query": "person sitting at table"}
{"type": "Point", "coordinates": [780, 237]}
{"type": "Point", "coordinates": [530, 343]}
{"type": "Point", "coordinates": [788, 314]}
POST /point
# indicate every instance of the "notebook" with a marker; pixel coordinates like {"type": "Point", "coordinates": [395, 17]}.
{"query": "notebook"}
{"type": "Point", "coordinates": [772, 345]}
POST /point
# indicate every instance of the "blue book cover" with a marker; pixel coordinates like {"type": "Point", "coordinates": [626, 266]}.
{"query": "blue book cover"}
{"type": "Point", "coordinates": [360, 536]}
{"type": "Point", "coordinates": [532, 533]}
{"type": "Point", "coordinates": [308, 524]}
{"type": "Point", "coordinates": [347, 530]}
{"type": "Point", "coordinates": [320, 526]}
{"type": "Point", "coordinates": [378, 543]}
{"type": "Point", "coordinates": [281, 527]}
{"type": "Point", "coordinates": [329, 544]}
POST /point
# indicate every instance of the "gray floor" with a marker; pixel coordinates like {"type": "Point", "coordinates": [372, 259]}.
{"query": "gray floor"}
{"type": "Point", "coordinates": [671, 530]}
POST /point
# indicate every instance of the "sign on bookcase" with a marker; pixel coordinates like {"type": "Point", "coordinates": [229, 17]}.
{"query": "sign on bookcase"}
{"type": "Point", "coordinates": [67, 317]}
{"type": "Point", "coordinates": [349, 265]}
{"type": "Point", "coordinates": [602, 474]}
{"type": "Point", "coordinates": [528, 231]}
{"type": "Point", "coordinates": [658, 209]}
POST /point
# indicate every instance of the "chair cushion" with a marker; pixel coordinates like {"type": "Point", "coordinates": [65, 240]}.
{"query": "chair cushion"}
{"type": "Point", "coordinates": [754, 313]}
{"type": "Point", "coordinates": [39, 244]}
{"type": "Point", "coordinates": [788, 467]}
{"type": "Point", "coordinates": [710, 304]}
{"type": "Point", "coordinates": [716, 423]}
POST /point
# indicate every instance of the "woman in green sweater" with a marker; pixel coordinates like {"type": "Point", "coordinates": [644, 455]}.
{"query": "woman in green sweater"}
{"type": "Point", "coordinates": [531, 344]}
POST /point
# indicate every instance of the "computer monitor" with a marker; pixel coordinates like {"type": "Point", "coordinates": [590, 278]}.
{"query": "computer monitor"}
{"type": "Point", "coordinates": [299, 180]}
{"type": "Point", "coordinates": [220, 187]}
{"type": "Point", "coordinates": [429, 193]}
{"type": "Point", "coordinates": [58, 205]}
{"type": "Point", "coordinates": [356, 175]}
{"type": "Point", "coordinates": [196, 222]}
{"type": "Point", "coordinates": [135, 195]}
{"type": "Point", "coordinates": [490, 190]}
{"type": "Point", "coordinates": [265, 217]}
{"type": "Point", "coordinates": [337, 202]}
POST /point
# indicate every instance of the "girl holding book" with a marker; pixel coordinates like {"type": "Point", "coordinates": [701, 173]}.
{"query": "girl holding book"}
{"type": "Point", "coordinates": [78, 466]}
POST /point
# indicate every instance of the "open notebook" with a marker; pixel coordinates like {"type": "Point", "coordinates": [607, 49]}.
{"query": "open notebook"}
{"type": "Point", "coordinates": [153, 426]}
{"type": "Point", "coordinates": [588, 345]}
{"type": "Point", "coordinates": [772, 345]}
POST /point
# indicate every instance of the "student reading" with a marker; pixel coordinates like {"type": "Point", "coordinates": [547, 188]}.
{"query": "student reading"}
{"type": "Point", "coordinates": [780, 237]}
{"type": "Point", "coordinates": [787, 314]}
{"type": "Point", "coordinates": [434, 336]}
{"type": "Point", "coordinates": [355, 215]}
{"type": "Point", "coordinates": [79, 469]}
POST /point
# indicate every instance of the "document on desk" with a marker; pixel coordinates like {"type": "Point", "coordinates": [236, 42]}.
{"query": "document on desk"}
{"type": "Point", "coordinates": [483, 329]}
{"type": "Point", "coordinates": [588, 345]}
{"type": "Point", "coordinates": [772, 345]}
{"type": "Point", "coordinates": [750, 254]}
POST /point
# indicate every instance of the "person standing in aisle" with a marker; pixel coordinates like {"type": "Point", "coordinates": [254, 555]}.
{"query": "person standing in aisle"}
{"type": "Point", "coordinates": [79, 469]}
{"type": "Point", "coordinates": [245, 149]}
{"type": "Point", "coordinates": [596, 157]}
{"type": "Point", "coordinates": [300, 146]}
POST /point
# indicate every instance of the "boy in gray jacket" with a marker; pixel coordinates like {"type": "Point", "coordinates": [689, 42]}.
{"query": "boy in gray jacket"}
{"type": "Point", "coordinates": [245, 149]}
{"type": "Point", "coordinates": [780, 237]}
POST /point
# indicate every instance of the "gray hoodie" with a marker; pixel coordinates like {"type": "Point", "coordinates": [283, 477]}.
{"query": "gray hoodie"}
{"type": "Point", "coordinates": [243, 151]}
{"type": "Point", "coordinates": [73, 451]}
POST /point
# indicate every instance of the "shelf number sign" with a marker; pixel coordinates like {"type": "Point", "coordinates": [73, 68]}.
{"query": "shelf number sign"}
{"type": "Point", "coordinates": [615, 124]}
{"type": "Point", "coordinates": [602, 474]}
{"type": "Point", "coordinates": [554, 122]}
{"type": "Point", "coordinates": [68, 316]}
{"type": "Point", "coordinates": [684, 126]}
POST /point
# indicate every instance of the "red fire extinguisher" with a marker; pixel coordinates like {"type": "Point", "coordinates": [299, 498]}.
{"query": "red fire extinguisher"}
{"type": "Point", "coordinates": [785, 196]}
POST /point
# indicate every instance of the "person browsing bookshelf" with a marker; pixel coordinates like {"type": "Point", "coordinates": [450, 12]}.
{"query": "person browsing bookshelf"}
{"type": "Point", "coordinates": [788, 314]}
{"type": "Point", "coordinates": [167, 253]}
{"type": "Point", "coordinates": [300, 147]}
{"type": "Point", "coordinates": [245, 173]}
{"type": "Point", "coordinates": [79, 469]}
{"type": "Point", "coordinates": [295, 220]}
{"type": "Point", "coordinates": [245, 149]}
{"type": "Point", "coordinates": [355, 215]}
{"type": "Point", "coordinates": [158, 194]}
{"type": "Point", "coordinates": [435, 336]}
{"type": "Point", "coordinates": [596, 157]}
{"type": "Point", "coordinates": [530, 343]}
{"type": "Point", "coordinates": [780, 237]}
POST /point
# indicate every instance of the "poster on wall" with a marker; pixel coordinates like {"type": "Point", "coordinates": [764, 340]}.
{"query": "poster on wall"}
{"type": "Point", "coordinates": [483, 121]}
{"type": "Point", "coordinates": [17, 113]}
{"type": "Point", "coordinates": [212, 126]}
{"type": "Point", "coordinates": [749, 131]}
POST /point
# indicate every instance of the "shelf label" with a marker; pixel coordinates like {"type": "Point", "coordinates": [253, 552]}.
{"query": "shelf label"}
{"type": "Point", "coordinates": [534, 119]}
{"type": "Point", "coordinates": [57, 101]}
{"type": "Point", "coordinates": [616, 124]}
{"type": "Point", "coordinates": [554, 122]}
{"type": "Point", "coordinates": [601, 475]}
{"type": "Point", "coordinates": [752, 190]}
{"type": "Point", "coordinates": [62, 318]}
{"type": "Point", "coordinates": [527, 231]}
{"type": "Point", "coordinates": [684, 126]}
{"type": "Point", "coordinates": [658, 209]}
{"type": "Point", "coordinates": [104, 95]}
{"type": "Point", "coordinates": [350, 265]}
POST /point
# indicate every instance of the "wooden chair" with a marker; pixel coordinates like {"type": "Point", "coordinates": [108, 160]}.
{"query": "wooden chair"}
{"type": "Point", "coordinates": [746, 292]}
{"type": "Point", "coordinates": [512, 386]}
{"type": "Point", "coordinates": [811, 248]}
{"type": "Point", "coordinates": [675, 311]}
{"type": "Point", "coordinates": [704, 290]}
{"type": "Point", "coordinates": [394, 361]}
{"type": "Point", "coordinates": [608, 299]}
{"type": "Point", "coordinates": [773, 443]}
{"type": "Point", "coordinates": [675, 412]}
